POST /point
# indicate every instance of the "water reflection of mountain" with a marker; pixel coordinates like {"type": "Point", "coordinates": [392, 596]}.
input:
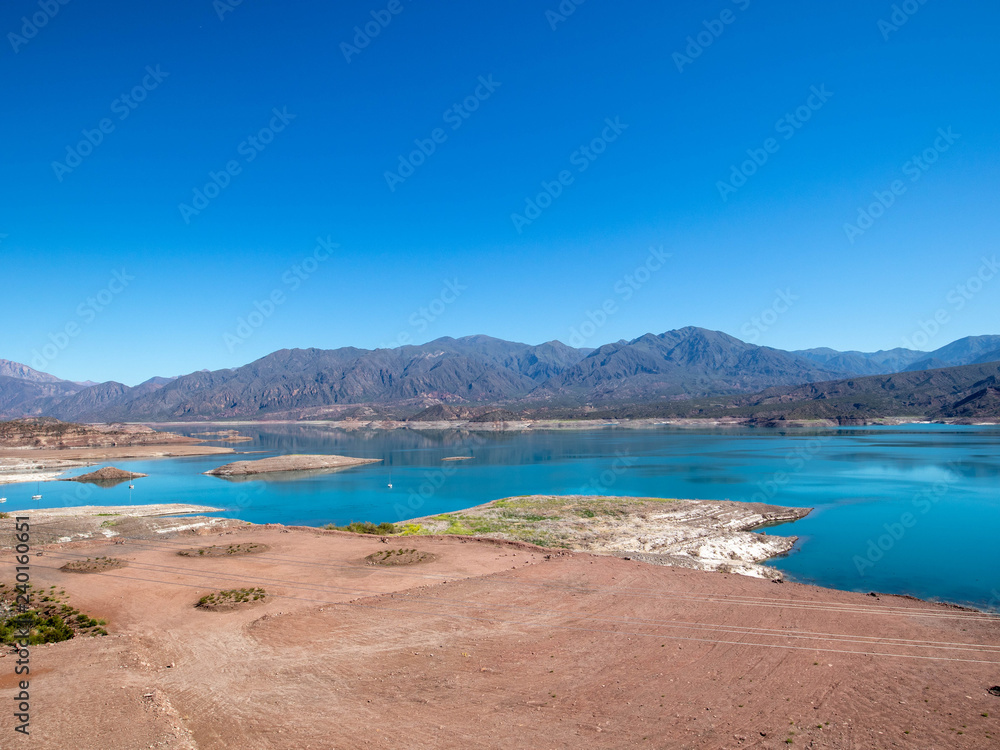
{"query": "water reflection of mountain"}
{"type": "Point", "coordinates": [728, 447]}
{"type": "Point", "coordinates": [406, 447]}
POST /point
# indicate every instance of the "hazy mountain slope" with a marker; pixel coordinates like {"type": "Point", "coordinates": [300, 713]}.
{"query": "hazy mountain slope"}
{"type": "Point", "coordinates": [965, 351]}
{"type": "Point", "coordinates": [990, 357]}
{"type": "Point", "coordinates": [862, 363]}
{"type": "Point", "coordinates": [23, 372]}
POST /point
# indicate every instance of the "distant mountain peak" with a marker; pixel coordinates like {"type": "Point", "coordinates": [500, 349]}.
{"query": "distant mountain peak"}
{"type": "Point", "coordinates": [23, 372]}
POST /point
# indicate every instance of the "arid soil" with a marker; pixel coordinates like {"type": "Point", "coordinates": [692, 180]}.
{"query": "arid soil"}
{"type": "Point", "coordinates": [492, 644]}
{"type": "Point", "coordinates": [288, 463]}
{"type": "Point", "coordinates": [702, 534]}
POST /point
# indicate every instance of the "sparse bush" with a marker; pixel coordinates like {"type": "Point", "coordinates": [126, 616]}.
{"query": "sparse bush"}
{"type": "Point", "coordinates": [231, 596]}
{"type": "Point", "coordinates": [355, 527]}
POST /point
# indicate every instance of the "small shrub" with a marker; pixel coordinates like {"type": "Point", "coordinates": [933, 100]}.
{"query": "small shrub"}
{"type": "Point", "coordinates": [355, 527]}
{"type": "Point", "coordinates": [231, 596]}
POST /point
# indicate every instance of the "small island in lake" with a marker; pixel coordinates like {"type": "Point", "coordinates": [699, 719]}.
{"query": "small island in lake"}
{"type": "Point", "coordinates": [107, 476]}
{"type": "Point", "coordinates": [288, 463]}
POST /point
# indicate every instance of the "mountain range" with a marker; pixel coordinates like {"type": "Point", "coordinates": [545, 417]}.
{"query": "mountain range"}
{"type": "Point", "coordinates": [475, 374]}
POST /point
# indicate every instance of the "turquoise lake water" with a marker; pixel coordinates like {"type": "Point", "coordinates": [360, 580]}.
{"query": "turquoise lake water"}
{"type": "Point", "coordinates": [907, 510]}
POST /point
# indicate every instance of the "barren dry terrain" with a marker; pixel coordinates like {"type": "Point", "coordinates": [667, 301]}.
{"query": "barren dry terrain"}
{"type": "Point", "coordinates": [489, 644]}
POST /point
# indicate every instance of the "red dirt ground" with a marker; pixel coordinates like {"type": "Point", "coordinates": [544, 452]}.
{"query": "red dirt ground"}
{"type": "Point", "coordinates": [492, 645]}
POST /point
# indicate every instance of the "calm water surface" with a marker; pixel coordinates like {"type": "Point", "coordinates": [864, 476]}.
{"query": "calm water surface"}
{"type": "Point", "coordinates": [912, 509]}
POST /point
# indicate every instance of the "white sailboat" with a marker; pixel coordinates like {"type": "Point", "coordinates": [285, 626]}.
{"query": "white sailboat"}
{"type": "Point", "coordinates": [38, 495]}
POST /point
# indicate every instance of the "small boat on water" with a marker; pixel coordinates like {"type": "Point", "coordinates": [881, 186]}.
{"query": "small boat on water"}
{"type": "Point", "coordinates": [3, 499]}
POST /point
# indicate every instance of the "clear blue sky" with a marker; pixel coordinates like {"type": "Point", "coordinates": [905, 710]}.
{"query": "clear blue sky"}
{"type": "Point", "coordinates": [69, 228]}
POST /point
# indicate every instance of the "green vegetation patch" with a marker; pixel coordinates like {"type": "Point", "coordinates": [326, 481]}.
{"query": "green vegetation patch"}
{"type": "Point", "coordinates": [545, 520]}
{"type": "Point", "coordinates": [48, 619]}
{"type": "Point", "coordinates": [231, 598]}
{"type": "Point", "coordinates": [355, 527]}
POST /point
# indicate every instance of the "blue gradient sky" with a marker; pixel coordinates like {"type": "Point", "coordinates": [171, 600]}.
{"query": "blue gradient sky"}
{"type": "Point", "coordinates": [323, 175]}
